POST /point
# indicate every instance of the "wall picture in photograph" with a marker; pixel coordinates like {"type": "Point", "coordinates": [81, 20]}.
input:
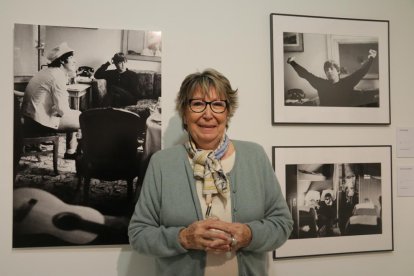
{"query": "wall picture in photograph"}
{"type": "Point", "coordinates": [339, 197]}
{"type": "Point", "coordinates": [87, 118]}
{"type": "Point", "coordinates": [292, 42]}
{"type": "Point", "coordinates": [341, 76]}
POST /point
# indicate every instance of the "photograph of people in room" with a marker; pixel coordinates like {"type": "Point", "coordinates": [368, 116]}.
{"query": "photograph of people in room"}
{"type": "Point", "coordinates": [328, 200]}
{"type": "Point", "coordinates": [84, 131]}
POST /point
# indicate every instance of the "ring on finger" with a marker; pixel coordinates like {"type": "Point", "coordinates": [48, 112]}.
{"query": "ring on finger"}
{"type": "Point", "coordinates": [233, 241]}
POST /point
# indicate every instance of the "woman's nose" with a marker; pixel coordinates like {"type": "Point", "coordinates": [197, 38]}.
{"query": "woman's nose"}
{"type": "Point", "coordinates": [207, 112]}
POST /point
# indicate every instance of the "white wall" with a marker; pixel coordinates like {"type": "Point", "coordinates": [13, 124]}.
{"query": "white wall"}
{"type": "Point", "coordinates": [232, 36]}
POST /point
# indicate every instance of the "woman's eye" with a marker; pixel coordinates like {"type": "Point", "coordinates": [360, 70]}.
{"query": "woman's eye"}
{"type": "Point", "coordinates": [218, 104]}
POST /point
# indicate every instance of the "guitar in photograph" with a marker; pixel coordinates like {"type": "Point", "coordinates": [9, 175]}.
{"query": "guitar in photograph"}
{"type": "Point", "coordinates": [38, 212]}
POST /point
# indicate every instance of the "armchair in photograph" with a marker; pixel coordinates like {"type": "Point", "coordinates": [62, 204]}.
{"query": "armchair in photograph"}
{"type": "Point", "coordinates": [108, 149]}
{"type": "Point", "coordinates": [148, 87]}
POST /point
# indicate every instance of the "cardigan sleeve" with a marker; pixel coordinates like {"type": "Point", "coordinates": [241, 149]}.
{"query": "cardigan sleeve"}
{"type": "Point", "coordinates": [146, 234]}
{"type": "Point", "coordinates": [275, 227]}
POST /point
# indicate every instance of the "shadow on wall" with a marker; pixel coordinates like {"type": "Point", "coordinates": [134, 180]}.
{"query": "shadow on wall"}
{"type": "Point", "coordinates": [131, 263]}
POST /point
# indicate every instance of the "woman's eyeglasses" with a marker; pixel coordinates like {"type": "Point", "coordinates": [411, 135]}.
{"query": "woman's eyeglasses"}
{"type": "Point", "coordinates": [199, 106]}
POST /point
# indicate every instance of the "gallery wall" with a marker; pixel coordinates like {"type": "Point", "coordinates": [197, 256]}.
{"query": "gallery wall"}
{"type": "Point", "coordinates": [232, 36]}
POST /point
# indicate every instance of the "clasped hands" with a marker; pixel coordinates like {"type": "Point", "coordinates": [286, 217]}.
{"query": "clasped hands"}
{"type": "Point", "coordinates": [215, 235]}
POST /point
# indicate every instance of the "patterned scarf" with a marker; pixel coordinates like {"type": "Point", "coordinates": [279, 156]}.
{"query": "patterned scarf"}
{"type": "Point", "coordinates": [208, 170]}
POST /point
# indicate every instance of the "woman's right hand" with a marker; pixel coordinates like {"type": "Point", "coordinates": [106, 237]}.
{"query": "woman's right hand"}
{"type": "Point", "coordinates": [201, 235]}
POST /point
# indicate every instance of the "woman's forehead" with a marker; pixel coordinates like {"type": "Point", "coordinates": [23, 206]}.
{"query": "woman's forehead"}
{"type": "Point", "coordinates": [207, 92]}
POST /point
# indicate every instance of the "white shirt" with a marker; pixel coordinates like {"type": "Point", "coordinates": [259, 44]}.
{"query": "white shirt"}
{"type": "Point", "coordinates": [218, 264]}
{"type": "Point", "coordinates": [46, 98]}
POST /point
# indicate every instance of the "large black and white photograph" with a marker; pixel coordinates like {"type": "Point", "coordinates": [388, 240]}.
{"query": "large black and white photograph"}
{"type": "Point", "coordinates": [87, 118]}
{"type": "Point", "coordinates": [333, 70]}
{"type": "Point", "coordinates": [337, 196]}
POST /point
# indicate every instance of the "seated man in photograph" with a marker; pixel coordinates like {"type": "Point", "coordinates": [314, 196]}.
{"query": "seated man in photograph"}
{"type": "Point", "coordinates": [121, 82]}
{"type": "Point", "coordinates": [337, 91]}
{"type": "Point", "coordinates": [45, 106]}
{"type": "Point", "coordinates": [307, 219]}
{"type": "Point", "coordinates": [327, 216]}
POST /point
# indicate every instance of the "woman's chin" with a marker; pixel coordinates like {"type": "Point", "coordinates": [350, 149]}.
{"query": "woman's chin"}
{"type": "Point", "coordinates": [208, 143]}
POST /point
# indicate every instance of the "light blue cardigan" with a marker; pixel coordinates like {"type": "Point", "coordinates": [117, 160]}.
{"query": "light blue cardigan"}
{"type": "Point", "coordinates": [169, 202]}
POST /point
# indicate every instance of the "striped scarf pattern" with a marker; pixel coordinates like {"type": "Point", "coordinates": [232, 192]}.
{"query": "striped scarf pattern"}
{"type": "Point", "coordinates": [207, 168]}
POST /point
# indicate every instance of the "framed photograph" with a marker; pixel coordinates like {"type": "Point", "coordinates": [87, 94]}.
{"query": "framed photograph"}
{"type": "Point", "coordinates": [292, 42]}
{"type": "Point", "coordinates": [83, 197]}
{"type": "Point", "coordinates": [342, 76]}
{"type": "Point", "coordinates": [340, 198]}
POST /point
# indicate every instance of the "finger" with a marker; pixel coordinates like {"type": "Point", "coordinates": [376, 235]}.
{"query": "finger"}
{"type": "Point", "coordinates": [219, 247]}
{"type": "Point", "coordinates": [220, 225]}
{"type": "Point", "coordinates": [218, 242]}
{"type": "Point", "coordinates": [215, 234]}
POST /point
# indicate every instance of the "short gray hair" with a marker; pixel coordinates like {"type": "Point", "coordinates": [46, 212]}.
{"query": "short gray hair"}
{"type": "Point", "coordinates": [205, 80]}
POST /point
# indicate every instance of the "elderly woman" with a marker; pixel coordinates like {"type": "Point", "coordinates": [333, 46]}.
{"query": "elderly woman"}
{"type": "Point", "coordinates": [212, 206]}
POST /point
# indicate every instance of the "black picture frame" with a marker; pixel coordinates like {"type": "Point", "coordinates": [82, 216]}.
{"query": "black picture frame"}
{"type": "Point", "coordinates": [359, 181]}
{"type": "Point", "coordinates": [310, 98]}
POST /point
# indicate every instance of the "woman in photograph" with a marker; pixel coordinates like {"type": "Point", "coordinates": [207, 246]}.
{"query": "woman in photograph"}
{"type": "Point", "coordinates": [211, 206]}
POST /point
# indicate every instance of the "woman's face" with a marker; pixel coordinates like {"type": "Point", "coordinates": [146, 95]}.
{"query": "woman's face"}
{"type": "Point", "coordinates": [70, 65]}
{"type": "Point", "coordinates": [206, 128]}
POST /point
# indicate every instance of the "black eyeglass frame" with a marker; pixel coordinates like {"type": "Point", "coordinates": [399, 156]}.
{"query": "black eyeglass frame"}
{"type": "Point", "coordinates": [206, 104]}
